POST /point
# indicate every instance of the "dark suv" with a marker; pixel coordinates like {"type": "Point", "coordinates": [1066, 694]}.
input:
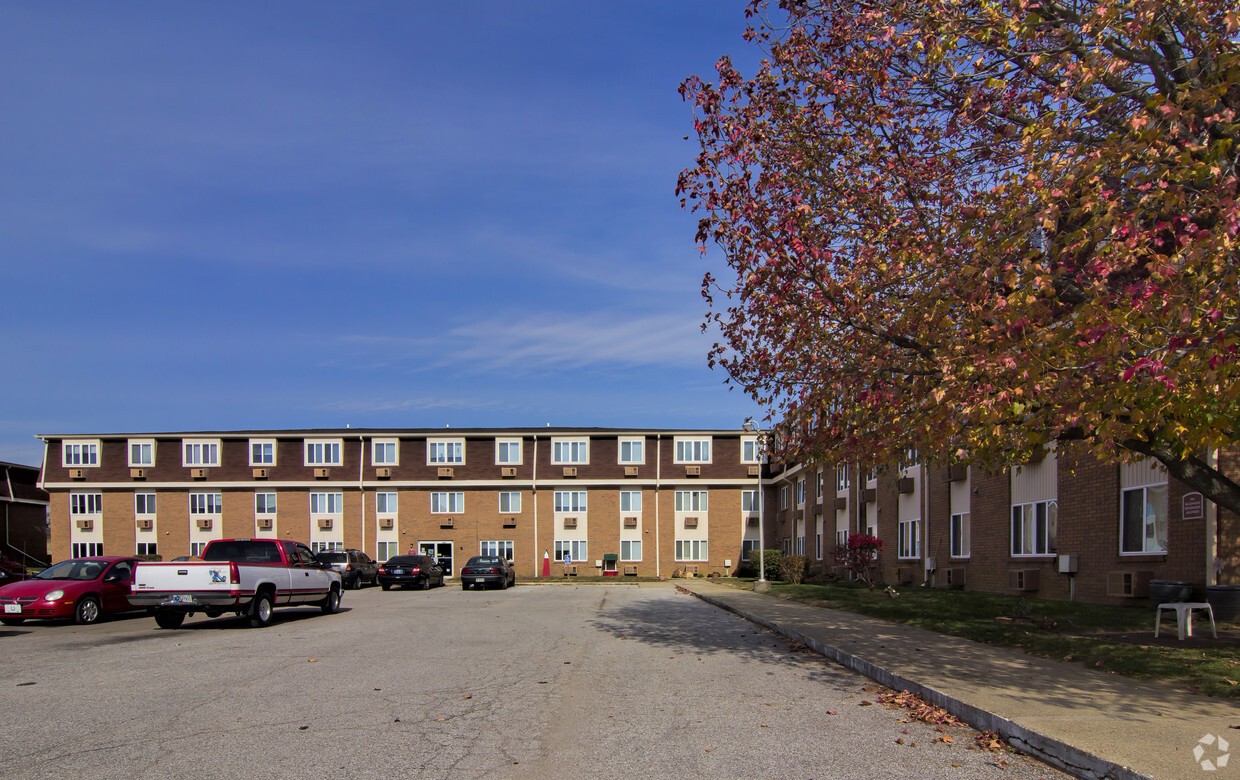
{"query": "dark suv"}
{"type": "Point", "coordinates": [411, 571]}
{"type": "Point", "coordinates": [355, 567]}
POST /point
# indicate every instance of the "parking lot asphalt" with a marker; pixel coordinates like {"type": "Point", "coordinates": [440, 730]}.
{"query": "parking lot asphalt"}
{"type": "Point", "coordinates": [548, 682]}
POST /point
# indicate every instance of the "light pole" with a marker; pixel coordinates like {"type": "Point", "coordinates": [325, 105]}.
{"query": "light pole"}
{"type": "Point", "coordinates": [750, 427]}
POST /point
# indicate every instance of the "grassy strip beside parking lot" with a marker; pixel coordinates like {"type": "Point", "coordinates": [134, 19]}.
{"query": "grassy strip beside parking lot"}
{"type": "Point", "coordinates": [1116, 639]}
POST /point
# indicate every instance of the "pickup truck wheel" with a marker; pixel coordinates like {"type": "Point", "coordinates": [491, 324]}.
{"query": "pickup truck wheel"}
{"type": "Point", "coordinates": [260, 611]}
{"type": "Point", "coordinates": [167, 618]}
{"type": "Point", "coordinates": [331, 604]}
{"type": "Point", "coordinates": [87, 611]}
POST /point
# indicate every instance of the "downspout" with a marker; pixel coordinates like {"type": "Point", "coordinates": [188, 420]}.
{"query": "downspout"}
{"type": "Point", "coordinates": [534, 490]}
{"type": "Point", "coordinates": [658, 470]}
{"type": "Point", "coordinates": [1212, 563]}
{"type": "Point", "coordinates": [361, 487]}
{"type": "Point", "coordinates": [927, 576]}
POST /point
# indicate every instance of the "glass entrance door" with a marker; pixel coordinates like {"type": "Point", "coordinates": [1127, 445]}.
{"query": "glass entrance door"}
{"type": "Point", "coordinates": [442, 552]}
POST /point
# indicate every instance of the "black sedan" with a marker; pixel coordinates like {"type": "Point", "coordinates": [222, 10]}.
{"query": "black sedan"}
{"type": "Point", "coordinates": [487, 570]}
{"type": "Point", "coordinates": [410, 571]}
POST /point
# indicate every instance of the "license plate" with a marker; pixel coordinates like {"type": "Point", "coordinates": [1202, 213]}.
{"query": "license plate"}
{"type": "Point", "coordinates": [398, 571]}
{"type": "Point", "coordinates": [179, 599]}
{"type": "Point", "coordinates": [12, 609]}
{"type": "Point", "coordinates": [480, 579]}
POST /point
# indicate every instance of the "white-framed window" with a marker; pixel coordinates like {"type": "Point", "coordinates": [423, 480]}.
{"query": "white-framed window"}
{"type": "Point", "coordinates": [959, 535]}
{"type": "Point", "coordinates": [508, 452]}
{"type": "Point", "coordinates": [909, 545]}
{"type": "Point", "coordinates": [691, 550]}
{"type": "Point", "coordinates": [264, 503]}
{"type": "Point", "coordinates": [205, 503]}
{"type": "Point", "coordinates": [445, 452]}
{"type": "Point", "coordinates": [385, 452]}
{"type": "Point", "coordinates": [87, 549]}
{"type": "Point", "coordinates": [749, 501]}
{"type": "Point", "coordinates": [323, 452]}
{"type": "Point", "coordinates": [196, 548]}
{"type": "Point", "coordinates": [910, 458]}
{"type": "Point", "coordinates": [144, 504]}
{"type": "Point", "coordinates": [842, 479]}
{"type": "Point", "coordinates": [498, 547]}
{"type": "Point", "coordinates": [146, 548]}
{"type": "Point", "coordinates": [630, 549]}
{"type": "Point", "coordinates": [80, 453]}
{"type": "Point", "coordinates": [800, 492]}
{"type": "Point", "coordinates": [577, 549]}
{"type": "Point", "coordinates": [200, 452]}
{"type": "Point", "coordinates": [570, 500]}
{"type": "Point", "coordinates": [1143, 520]}
{"type": "Point", "coordinates": [1035, 528]}
{"type": "Point", "coordinates": [799, 546]}
{"type": "Point", "coordinates": [262, 452]}
{"type": "Point", "coordinates": [633, 451]}
{"type": "Point", "coordinates": [691, 500]}
{"type": "Point", "coordinates": [695, 450]}
{"type": "Point", "coordinates": [871, 476]}
{"type": "Point", "coordinates": [785, 493]}
{"type": "Point", "coordinates": [326, 546]}
{"type": "Point", "coordinates": [386, 502]}
{"type": "Point", "coordinates": [141, 452]}
{"type": "Point", "coordinates": [447, 503]}
{"type": "Point", "coordinates": [749, 449]}
{"type": "Point", "coordinates": [85, 503]}
{"type": "Point", "coordinates": [510, 502]}
{"type": "Point", "coordinates": [569, 451]}
{"type": "Point", "coordinates": [630, 501]}
{"type": "Point", "coordinates": [841, 539]}
{"type": "Point", "coordinates": [385, 550]}
{"type": "Point", "coordinates": [818, 483]}
{"type": "Point", "coordinates": [326, 503]}
{"type": "Point", "coordinates": [818, 544]}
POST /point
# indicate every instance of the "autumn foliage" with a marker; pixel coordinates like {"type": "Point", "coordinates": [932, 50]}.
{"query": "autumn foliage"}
{"type": "Point", "coordinates": [980, 227]}
{"type": "Point", "coordinates": [859, 555]}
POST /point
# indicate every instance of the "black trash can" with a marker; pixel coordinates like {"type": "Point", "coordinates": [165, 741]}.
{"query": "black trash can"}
{"type": "Point", "coordinates": [1225, 601]}
{"type": "Point", "coordinates": [1167, 591]}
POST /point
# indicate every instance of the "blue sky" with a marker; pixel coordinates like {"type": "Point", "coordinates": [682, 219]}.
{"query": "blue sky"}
{"type": "Point", "coordinates": [309, 214]}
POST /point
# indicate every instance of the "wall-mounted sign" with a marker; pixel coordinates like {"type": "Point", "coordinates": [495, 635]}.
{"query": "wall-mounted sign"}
{"type": "Point", "coordinates": [1193, 507]}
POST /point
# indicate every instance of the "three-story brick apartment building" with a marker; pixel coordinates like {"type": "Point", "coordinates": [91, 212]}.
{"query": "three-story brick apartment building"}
{"type": "Point", "coordinates": [611, 501]}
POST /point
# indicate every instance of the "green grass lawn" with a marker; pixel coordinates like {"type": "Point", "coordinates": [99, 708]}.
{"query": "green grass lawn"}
{"type": "Point", "coordinates": [1111, 638]}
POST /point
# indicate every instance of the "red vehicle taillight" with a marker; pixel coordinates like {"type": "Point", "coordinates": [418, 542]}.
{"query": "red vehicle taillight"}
{"type": "Point", "coordinates": [382, 570]}
{"type": "Point", "coordinates": [234, 576]}
{"type": "Point", "coordinates": [348, 567]}
{"type": "Point", "coordinates": [415, 570]}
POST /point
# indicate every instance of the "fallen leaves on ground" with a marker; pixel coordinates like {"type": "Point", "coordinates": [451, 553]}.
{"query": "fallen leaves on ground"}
{"type": "Point", "coordinates": [918, 709]}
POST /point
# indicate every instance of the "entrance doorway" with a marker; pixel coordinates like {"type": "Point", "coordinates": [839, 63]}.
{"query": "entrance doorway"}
{"type": "Point", "coordinates": [442, 551]}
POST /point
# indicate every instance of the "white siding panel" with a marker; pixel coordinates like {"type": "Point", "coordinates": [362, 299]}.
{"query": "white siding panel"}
{"type": "Point", "coordinates": [1036, 481]}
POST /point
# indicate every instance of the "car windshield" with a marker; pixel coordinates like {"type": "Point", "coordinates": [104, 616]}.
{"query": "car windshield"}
{"type": "Point", "coordinates": [403, 560]}
{"type": "Point", "coordinates": [484, 560]}
{"type": "Point", "coordinates": [75, 569]}
{"type": "Point", "coordinates": [333, 557]}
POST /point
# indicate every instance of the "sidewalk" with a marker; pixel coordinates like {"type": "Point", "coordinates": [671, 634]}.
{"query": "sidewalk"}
{"type": "Point", "coordinates": [1087, 723]}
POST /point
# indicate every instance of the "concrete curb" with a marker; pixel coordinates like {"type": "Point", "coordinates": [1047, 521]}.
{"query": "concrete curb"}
{"type": "Point", "coordinates": [1052, 751]}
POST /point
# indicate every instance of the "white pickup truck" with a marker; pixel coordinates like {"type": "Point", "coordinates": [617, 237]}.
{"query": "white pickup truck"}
{"type": "Point", "coordinates": [244, 576]}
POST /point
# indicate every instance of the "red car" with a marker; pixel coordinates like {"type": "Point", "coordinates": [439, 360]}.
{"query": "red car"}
{"type": "Point", "coordinates": [84, 589]}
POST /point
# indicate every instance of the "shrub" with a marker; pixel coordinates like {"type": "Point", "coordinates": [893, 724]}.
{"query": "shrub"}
{"type": "Point", "coordinates": [792, 568]}
{"type": "Point", "coordinates": [772, 562]}
{"type": "Point", "coordinates": [859, 556]}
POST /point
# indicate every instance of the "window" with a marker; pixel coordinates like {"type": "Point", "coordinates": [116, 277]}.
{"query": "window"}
{"type": "Point", "coordinates": [509, 502]}
{"type": "Point", "coordinates": [871, 476]}
{"type": "Point", "coordinates": [502, 549]}
{"type": "Point", "coordinates": [141, 452]}
{"type": "Point", "coordinates": [632, 451]}
{"type": "Point", "coordinates": [818, 544]}
{"type": "Point", "coordinates": [445, 503]}
{"type": "Point", "coordinates": [1143, 523]}
{"type": "Point", "coordinates": [691, 550]}
{"type": "Point", "coordinates": [326, 546]}
{"type": "Point", "coordinates": [784, 494]}
{"type": "Point", "coordinates": [959, 535]}
{"type": "Point", "coordinates": [87, 549]}
{"type": "Point", "coordinates": [383, 452]}
{"type": "Point", "coordinates": [85, 503]}
{"type": "Point", "coordinates": [631, 550]}
{"type": "Point", "coordinates": [326, 503]}
{"type": "Point", "coordinates": [204, 503]}
{"type": "Point", "coordinates": [262, 452]}
{"type": "Point", "coordinates": [693, 450]}
{"type": "Point", "coordinates": [386, 550]}
{"type": "Point", "coordinates": [323, 453]}
{"type": "Point", "coordinates": [749, 501]}
{"type": "Point", "coordinates": [144, 503]}
{"type": "Point", "coordinates": [575, 451]}
{"type": "Point", "coordinates": [445, 451]}
{"type": "Point", "coordinates": [570, 500]}
{"type": "Point", "coordinates": [819, 484]}
{"type": "Point", "coordinates": [749, 450]}
{"type": "Point", "coordinates": [573, 548]}
{"type": "Point", "coordinates": [799, 547]}
{"type": "Point", "coordinates": [1034, 528]}
{"type": "Point", "coordinates": [800, 492]}
{"type": "Point", "coordinates": [911, 457]}
{"type": "Point", "coordinates": [910, 539]}
{"type": "Point", "coordinates": [264, 503]}
{"type": "Point", "coordinates": [80, 453]}
{"type": "Point", "coordinates": [146, 548]}
{"type": "Point", "coordinates": [201, 453]}
{"type": "Point", "coordinates": [841, 478]}
{"type": "Point", "coordinates": [749, 549]}
{"type": "Point", "coordinates": [630, 501]}
{"type": "Point", "coordinates": [385, 503]}
{"type": "Point", "coordinates": [508, 452]}
{"type": "Point", "coordinates": [691, 500]}
{"type": "Point", "coordinates": [196, 548]}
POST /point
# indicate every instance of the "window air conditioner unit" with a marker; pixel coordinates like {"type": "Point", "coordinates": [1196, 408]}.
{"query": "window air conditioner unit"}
{"type": "Point", "coordinates": [630, 570]}
{"type": "Point", "coordinates": [1023, 579]}
{"type": "Point", "coordinates": [691, 522]}
{"type": "Point", "coordinates": [446, 522]}
{"type": "Point", "coordinates": [264, 523]}
{"type": "Point", "coordinates": [445, 472]}
{"type": "Point", "coordinates": [570, 522]}
{"type": "Point", "coordinates": [510, 522]}
{"type": "Point", "coordinates": [325, 523]}
{"type": "Point", "coordinates": [693, 471]}
{"type": "Point", "coordinates": [630, 471]}
{"type": "Point", "coordinates": [260, 473]}
{"type": "Point", "coordinates": [386, 522]}
{"type": "Point", "coordinates": [691, 571]}
{"type": "Point", "coordinates": [841, 503]}
{"type": "Point", "coordinates": [630, 522]}
{"type": "Point", "coordinates": [198, 473]}
{"type": "Point", "coordinates": [85, 525]}
{"type": "Point", "coordinates": [137, 473]}
{"type": "Point", "coordinates": [904, 485]}
{"type": "Point", "coordinates": [77, 473]}
{"type": "Point", "coordinates": [904, 575]}
{"type": "Point", "coordinates": [755, 470]}
{"type": "Point", "coordinates": [321, 473]}
{"type": "Point", "coordinates": [204, 524]}
{"type": "Point", "coordinates": [508, 472]}
{"type": "Point", "coordinates": [146, 525]}
{"type": "Point", "coordinates": [753, 521]}
{"type": "Point", "coordinates": [955, 577]}
{"type": "Point", "coordinates": [570, 471]}
{"type": "Point", "coordinates": [1129, 584]}
{"type": "Point", "coordinates": [869, 496]}
{"type": "Point", "coordinates": [383, 472]}
{"type": "Point", "coordinates": [957, 473]}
